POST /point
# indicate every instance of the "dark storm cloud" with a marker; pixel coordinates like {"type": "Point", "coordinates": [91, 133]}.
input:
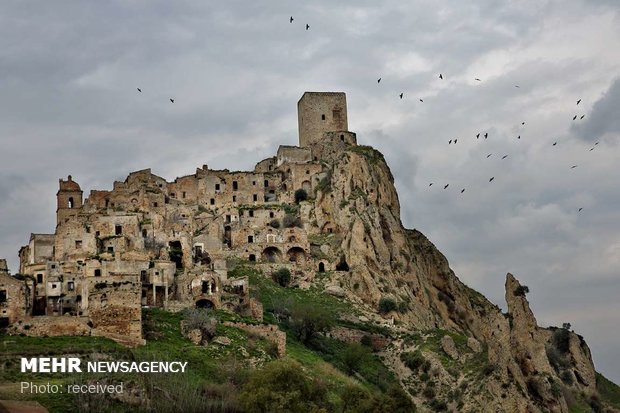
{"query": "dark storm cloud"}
{"type": "Point", "coordinates": [236, 70]}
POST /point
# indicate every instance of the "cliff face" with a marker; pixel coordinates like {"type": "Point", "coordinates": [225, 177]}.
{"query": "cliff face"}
{"type": "Point", "coordinates": [533, 369]}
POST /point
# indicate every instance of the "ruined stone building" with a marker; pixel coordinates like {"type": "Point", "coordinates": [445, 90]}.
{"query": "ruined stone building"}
{"type": "Point", "coordinates": [149, 242]}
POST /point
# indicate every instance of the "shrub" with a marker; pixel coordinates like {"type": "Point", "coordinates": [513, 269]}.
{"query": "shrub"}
{"type": "Point", "coordinates": [354, 356]}
{"type": "Point", "coordinates": [386, 305]}
{"type": "Point", "coordinates": [366, 340]}
{"type": "Point", "coordinates": [413, 360]}
{"type": "Point", "coordinates": [281, 386]}
{"type": "Point", "coordinates": [282, 277]}
{"type": "Point", "coordinates": [429, 392]}
{"type": "Point", "coordinates": [561, 339]}
{"type": "Point", "coordinates": [521, 290]}
{"type": "Point", "coordinates": [300, 195]}
{"type": "Point", "coordinates": [275, 223]}
{"type": "Point", "coordinates": [291, 220]}
{"type": "Point", "coordinates": [199, 318]}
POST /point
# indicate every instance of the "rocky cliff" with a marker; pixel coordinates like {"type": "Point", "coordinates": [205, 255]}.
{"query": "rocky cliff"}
{"type": "Point", "coordinates": [525, 368]}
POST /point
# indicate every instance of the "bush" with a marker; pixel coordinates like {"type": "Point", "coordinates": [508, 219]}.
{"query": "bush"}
{"type": "Point", "coordinates": [413, 360]}
{"type": "Point", "coordinates": [386, 305]}
{"type": "Point", "coordinates": [281, 386]}
{"type": "Point", "coordinates": [354, 356]}
{"type": "Point", "coordinates": [521, 290]}
{"type": "Point", "coordinates": [300, 195]}
{"type": "Point", "coordinates": [198, 318]}
{"type": "Point", "coordinates": [275, 223]}
{"type": "Point", "coordinates": [282, 277]}
{"type": "Point", "coordinates": [291, 220]}
{"type": "Point", "coordinates": [561, 339]}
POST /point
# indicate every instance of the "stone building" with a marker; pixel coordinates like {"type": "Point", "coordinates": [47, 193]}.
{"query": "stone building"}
{"type": "Point", "coordinates": [150, 242]}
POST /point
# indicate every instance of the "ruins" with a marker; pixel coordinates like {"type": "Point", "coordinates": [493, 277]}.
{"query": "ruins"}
{"type": "Point", "coordinates": [150, 242]}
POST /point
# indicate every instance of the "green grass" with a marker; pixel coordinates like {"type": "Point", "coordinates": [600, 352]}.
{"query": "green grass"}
{"type": "Point", "coordinates": [609, 391]}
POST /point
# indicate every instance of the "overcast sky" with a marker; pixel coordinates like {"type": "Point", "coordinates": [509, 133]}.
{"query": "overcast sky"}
{"type": "Point", "coordinates": [69, 105]}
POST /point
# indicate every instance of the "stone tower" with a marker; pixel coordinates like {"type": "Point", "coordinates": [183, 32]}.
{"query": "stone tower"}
{"type": "Point", "coordinates": [320, 112]}
{"type": "Point", "coordinates": [68, 198]}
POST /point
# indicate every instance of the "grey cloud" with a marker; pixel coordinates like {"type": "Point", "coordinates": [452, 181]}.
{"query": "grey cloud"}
{"type": "Point", "coordinates": [603, 121]}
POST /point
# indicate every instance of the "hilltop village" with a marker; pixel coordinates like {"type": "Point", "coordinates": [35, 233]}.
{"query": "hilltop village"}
{"type": "Point", "coordinates": [149, 242]}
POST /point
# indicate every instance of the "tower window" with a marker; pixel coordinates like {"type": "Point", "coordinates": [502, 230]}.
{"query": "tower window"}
{"type": "Point", "coordinates": [251, 212]}
{"type": "Point", "coordinates": [234, 198]}
{"type": "Point", "coordinates": [271, 214]}
{"type": "Point", "coordinates": [323, 117]}
{"type": "Point", "coordinates": [39, 278]}
{"type": "Point", "coordinates": [342, 138]}
{"type": "Point", "coordinates": [254, 197]}
{"type": "Point", "coordinates": [184, 194]}
{"type": "Point", "coordinates": [250, 239]}
{"type": "Point", "coordinates": [118, 229]}
{"type": "Point", "coordinates": [217, 187]}
{"type": "Point", "coordinates": [212, 201]}
{"type": "Point", "coordinates": [71, 202]}
{"type": "Point", "coordinates": [235, 185]}
{"type": "Point", "coordinates": [71, 286]}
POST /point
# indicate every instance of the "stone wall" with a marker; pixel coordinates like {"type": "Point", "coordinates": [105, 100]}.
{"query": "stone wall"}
{"type": "Point", "coordinates": [269, 332]}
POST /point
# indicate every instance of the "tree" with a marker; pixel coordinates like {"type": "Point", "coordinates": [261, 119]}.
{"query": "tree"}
{"type": "Point", "coordinates": [521, 290]}
{"type": "Point", "coordinates": [308, 319]}
{"type": "Point", "coordinates": [354, 356]}
{"type": "Point", "coordinates": [300, 195]}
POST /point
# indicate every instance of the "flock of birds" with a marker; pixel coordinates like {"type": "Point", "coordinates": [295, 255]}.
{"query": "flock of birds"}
{"type": "Point", "coordinates": [486, 136]}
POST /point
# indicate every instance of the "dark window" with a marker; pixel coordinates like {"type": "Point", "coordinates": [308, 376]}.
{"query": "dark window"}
{"type": "Point", "coordinates": [212, 201]}
{"type": "Point", "coordinates": [53, 285]}
{"type": "Point", "coordinates": [118, 229]}
{"type": "Point", "coordinates": [2, 296]}
{"type": "Point", "coordinates": [205, 287]}
{"type": "Point", "coordinates": [184, 194]}
{"type": "Point", "coordinates": [254, 197]}
{"type": "Point", "coordinates": [307, 172]}
{"type": "Point", "coordinates": [144, 233]}
{"type": "Point", "coordinates": [78, 244]}
{"type": "Point", "coordinates": [71, 286]}
{"type": "Point", "coordinates": [70, 202]}
{"type": "Point", "coordinates": [53, 266]}
{"type": "Point", "coordinates": [253, 182]}
{"type": "Point", "coordinates": [39, 278]}
{"type": "Point", "coordinates": [266, 183]}
{"type": "Point", "coordinates": [250, 239]}
{"type": "Point", "coordinates": [251, 212]}
{"type": "Point", "coordinates": [235, 186]}
{"type": "Point", "coordinates": [97, 233]}
{"type": "Point", "coordinates": [155, 204]}
{"type": "Point", "coordinates": [234, 198]}
{"type": "Point", "coordinates": [110, 249]}
{"type": "Point", "coordinates": [143, 276]}
{"type": "Point", "coordinates": [252, 257]}
{"type": "Point", "coordinates": [342, 138]}
{"type": "Point", "coordinates": [88, 229]}
{"type": "Point", "coordinates": [322, 117]}
{"type": "Point", "coordinates": [227, 218]}
{"type": "Point", "coordinates": [173, 195]}
{"type": "Point", "coordinates": [271, 214]}
{"type": "Point", "coordinates": [97, 273]}
{"type": "Point", "coordinates": [217, 187]}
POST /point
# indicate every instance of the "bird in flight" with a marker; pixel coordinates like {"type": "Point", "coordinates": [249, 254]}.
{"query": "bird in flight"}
{"type": "Point", "coordinates": [139, 90]}
{"type": "Point", "coordinates": [440, 76]}
{"type": "Point", "coordinates": [579, 101]}
{"type": "Point", "coordinates": [455, 141]}
{"type": "Point", "coordinates": [431, 184]}
{"type": "Point", "coordinates": [421, 100]}
{"type": "Point", "coordinates": [596, 144]}
{"type": "Point", "coordinates": [478, 135]}
{"type": "Point", "coordinates": [462, 190]}
{"type": "Point", "coordinates": [522, 123]}
{"type": "Point", "coordinates": [519, 137]}
{"type": "Point", "coordinates": [307, 26]}
{"type": "Point", "coordinates": [574, 117]}
{"type": "Point", "coordinates": [579, 209]}
{"type": "Point", "coordinates": [573, 167]}
{"type": "Point", "coordinates": [450, 141]}
{"type": "Point", "coordinates": [478, 80]}
{"type": "Point", "coordinates": [555, 143]}
{"type": "Point", "coordinates": [582, 116]}
{"type": "Point", "coordinates": [486, 135]}
{"type": "Point", "coordinates": [517, 86]}
{"type": "Point", "coordinates": [291, 19]}
{"type": "Point", "coordinates": [401, 95]}
{"type": "Point", "coordinates": [492, 178]}
{"type": "Point", "coordinates": [171, 100]}
{"type": "Point", "coordinates": [379, 80]}
{"type": "Point", "coordinates": [591, 149]}
{"type": "Point", "coordinates": [505, 156]}
{"type": "Point", "coordinates": [489, 155]}
{"type": "Point", "coordinates": [446, 186]}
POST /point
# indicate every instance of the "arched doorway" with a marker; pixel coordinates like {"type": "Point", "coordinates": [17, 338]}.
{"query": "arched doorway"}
{"type": "Point", "coordinates": [297, 255]}
{"type": "Point", "coordinates": [204, 303]}
{"type": "Point", "coordinates": [321, 267]}
{"type": "Point", "coordinates": [271, 254]}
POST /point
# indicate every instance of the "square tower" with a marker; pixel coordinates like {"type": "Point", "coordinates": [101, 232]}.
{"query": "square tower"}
{"type": "Point", "coordinates": [320, 112]}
